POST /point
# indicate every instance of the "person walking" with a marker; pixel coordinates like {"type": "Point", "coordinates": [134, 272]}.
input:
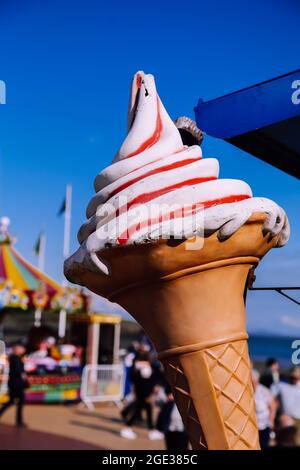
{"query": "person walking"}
{"type": "Point", "coordinates": [143, 384]}
{"type": "Point", "coordinates": [288, 395]}
{"type": "Point", "coordinates": [16, 383]}
{"type": "Point", "coordinates": [265, 410]}
{"type": "Point", "coordinates": [170, 423]}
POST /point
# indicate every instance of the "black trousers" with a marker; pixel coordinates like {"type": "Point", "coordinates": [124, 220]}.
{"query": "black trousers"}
{"type": "Point", "coordinates": [264, 438]}
{"type": "Point", "coordinates": [176, 440]}
{"type": "Point", "coordinates": [141, 404]}
{"type": "Point", "coordinates": [16, 397]}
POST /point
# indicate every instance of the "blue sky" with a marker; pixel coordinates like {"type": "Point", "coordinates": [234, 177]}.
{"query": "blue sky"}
{"type": "Point", "coordinates": [67, 66]}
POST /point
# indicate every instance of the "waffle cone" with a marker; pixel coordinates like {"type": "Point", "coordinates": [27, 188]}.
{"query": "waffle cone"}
{"type": "Point", "coordinates": [213, 391]}
{"type": "Point", "coordinates": [191, 303]}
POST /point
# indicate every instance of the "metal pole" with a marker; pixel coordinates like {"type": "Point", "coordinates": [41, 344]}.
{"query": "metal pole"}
{"type": "Point", "coordinates": [62, 322]}
{"type": "Point", "coordinates": [38, 317]}
{"type": "Point", "coordinates": [42, 251]}
{"type": "Point", "coordinates": [280, 291]}
{"type": "Point", "coordinates": [116, 343]}
{"type": "Point", "coordinates": [67, 229]}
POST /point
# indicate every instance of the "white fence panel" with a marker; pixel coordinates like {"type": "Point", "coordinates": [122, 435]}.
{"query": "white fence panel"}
{"type": "Point", "coordinates": [101, 383]}
{"type": "Point", "coordinates": [4, 370]}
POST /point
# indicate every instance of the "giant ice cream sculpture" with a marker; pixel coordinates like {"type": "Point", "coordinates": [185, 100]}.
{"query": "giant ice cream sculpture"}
{"type": "Point", "coordinates": [181, 270]}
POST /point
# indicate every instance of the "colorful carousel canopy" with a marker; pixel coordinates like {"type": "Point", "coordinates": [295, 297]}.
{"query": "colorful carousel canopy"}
{"type": "Point", "coordinates": [23, 286]}
{"type": "Point", "coordinates": [14, 268]}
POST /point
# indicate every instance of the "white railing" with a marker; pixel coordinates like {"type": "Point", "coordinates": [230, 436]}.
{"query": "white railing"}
{"type": "Point", "coordinates": [102, 383]}
{"type": "Point", "coordinates": [4, 370]}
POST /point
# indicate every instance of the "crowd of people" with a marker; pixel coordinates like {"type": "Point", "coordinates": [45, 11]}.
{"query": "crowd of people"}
{"type": "Point", "coordinates": [146, 388]}
{"type": "Point", "coordinates": [277, 398]}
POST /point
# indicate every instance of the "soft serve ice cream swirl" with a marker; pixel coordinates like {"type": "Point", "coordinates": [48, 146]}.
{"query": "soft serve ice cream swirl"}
{"type": "Point", "coordinates": [154, 168]}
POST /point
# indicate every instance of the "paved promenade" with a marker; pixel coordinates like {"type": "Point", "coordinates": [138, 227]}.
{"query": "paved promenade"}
{"type": "Point", "coordinates": [70, 427]}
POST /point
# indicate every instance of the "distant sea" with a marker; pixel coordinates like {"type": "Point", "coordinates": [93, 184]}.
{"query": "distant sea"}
{"type": "Point", "coordinates": [262, 347]}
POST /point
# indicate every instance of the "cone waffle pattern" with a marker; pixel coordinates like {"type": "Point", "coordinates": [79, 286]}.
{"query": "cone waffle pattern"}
{"type": "Point", "coordinates": [228, 371]}
{"type": "Point", "coordinates": [184, 402]}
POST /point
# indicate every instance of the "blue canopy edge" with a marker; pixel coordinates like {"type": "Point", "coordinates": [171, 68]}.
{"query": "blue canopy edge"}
{"type": "Point", "coordinates": [263, 120]}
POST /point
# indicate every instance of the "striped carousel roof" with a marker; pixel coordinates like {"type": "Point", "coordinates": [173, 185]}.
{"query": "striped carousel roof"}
{"type": "Point", "coordinates": [15, 268]}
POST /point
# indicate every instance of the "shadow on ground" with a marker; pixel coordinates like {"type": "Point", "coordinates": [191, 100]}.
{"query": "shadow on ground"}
{"type": "Point", "coordinates": [96, 427]}
{"type": "Point", "coordinates": [97, 415]}
{"type": "Point", "coordinates": [12, 438]}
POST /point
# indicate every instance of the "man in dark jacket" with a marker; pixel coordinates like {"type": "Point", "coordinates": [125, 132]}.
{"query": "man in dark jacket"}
{"type": "Point", "coordinates": [170, 423]}
{"type": "Point", "coordinates": [143, 379]}
{"type": "Point", "coordinates": [16, 383]}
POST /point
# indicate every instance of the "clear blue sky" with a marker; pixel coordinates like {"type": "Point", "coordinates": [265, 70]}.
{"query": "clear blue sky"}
{"type": "Point", "coordinates": [67, 66]}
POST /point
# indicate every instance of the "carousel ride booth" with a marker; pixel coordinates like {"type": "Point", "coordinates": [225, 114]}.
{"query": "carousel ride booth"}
{"type": "Point", "coordinates": [52, 322]}
{"type": "Point", "coordinates": [99, 333]}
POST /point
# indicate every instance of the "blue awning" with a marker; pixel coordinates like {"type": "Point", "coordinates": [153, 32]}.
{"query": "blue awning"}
{"type": "Point", "coordinates": [263, 120]}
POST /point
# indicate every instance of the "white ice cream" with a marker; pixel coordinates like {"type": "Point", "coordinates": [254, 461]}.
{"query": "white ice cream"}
{"type": "Point", "coordinates": [153, 169]}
